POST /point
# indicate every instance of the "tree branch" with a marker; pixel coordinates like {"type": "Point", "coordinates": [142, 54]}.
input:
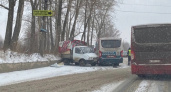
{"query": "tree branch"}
{"type": "Point", "coordinates": [4, 6]}
{"type": "Point", "coordinates": [31, 1]}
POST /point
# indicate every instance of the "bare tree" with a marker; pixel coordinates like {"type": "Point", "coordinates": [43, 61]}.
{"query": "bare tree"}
{"type": "Point", "coordinates": [51, 33]}
{"type": "Point", "coordinates": [66, 20]}
{"type": "Point", "coordinates": [34, 5]}
{"type": "Point", "coordinates": [77, 8]}
{"type": "Point", "coordinates": [9, 24]}
{"type": "Point", "coordinates": [89, 17]}
{"type": "Point", "coordinates": [17, 25]}
{"type": "Point", "coordinates": [1, 42]}
{"type": "Point", "coordinates": [58, 21]}
{"type": "Point", "coordinates": [102, 15]}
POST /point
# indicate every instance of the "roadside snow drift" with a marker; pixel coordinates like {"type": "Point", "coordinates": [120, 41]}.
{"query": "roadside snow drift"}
{"type": "Point", "coordinates": [46, 72]}
{"type": "Point", "coordinates": [14, 57]}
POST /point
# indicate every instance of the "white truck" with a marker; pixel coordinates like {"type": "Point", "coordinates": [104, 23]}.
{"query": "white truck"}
{"type": "Point", "coordinates": [77, 52]}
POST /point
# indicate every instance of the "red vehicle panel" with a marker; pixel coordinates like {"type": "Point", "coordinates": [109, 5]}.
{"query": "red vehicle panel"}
{"type": "Point", "coordinates": [68, 45]}
{"type": "Point", "coordinates": [150, 49]}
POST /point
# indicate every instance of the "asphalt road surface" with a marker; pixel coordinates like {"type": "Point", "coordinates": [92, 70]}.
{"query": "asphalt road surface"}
{"type": "Point", "coordinates": [71, 83]}
{"type": "Point", "coordinates": [90, 81]}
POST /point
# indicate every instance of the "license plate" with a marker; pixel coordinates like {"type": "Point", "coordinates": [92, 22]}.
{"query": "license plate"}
{"type": "Point", "coordinates": [154, 61]}
{"type": "Point", "coordinates": [111, 56]}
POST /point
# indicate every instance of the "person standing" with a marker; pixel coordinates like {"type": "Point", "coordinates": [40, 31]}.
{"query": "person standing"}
{"type": "Point", "coordinates": [129, 56]}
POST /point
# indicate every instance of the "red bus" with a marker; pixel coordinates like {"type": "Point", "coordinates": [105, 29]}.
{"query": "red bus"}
{"type": "Point", "coordinates": [151, 49]}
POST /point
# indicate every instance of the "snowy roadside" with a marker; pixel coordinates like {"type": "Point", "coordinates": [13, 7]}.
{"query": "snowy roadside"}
{"type": "Point", "coordinates": [47, 72]}
{"type": "Point", "coordinates": [14, 57]}
{"type": "Point", "coordinates": [152, 86]}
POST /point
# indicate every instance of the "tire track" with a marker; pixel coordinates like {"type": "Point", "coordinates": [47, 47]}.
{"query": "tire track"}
{"type": "Point", "coordinates": [71, 83]}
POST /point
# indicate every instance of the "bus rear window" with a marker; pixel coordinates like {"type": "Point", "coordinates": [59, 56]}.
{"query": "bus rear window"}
{"type": "Point", "coordinates": [153, 35]}
{"type": "Point", "coordinates": [111, 43]}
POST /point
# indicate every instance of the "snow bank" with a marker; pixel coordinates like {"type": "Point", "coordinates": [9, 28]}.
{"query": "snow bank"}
{"type": "Point", "coordinates": [14, 57]}
{"type": "Point", "coordinates": [45, 72]}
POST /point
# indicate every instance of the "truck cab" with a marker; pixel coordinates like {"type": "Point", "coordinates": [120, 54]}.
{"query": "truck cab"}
{"type": "Point", "coordinates": [77, 52]}
{"type": "Point", "coordinates": [83, 55]}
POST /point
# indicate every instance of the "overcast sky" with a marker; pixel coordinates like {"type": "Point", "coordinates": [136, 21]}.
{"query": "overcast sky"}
{"type": "Point", "coordinates": [127, 14]}
{"type": "Point", "coordinates": [136, 12]}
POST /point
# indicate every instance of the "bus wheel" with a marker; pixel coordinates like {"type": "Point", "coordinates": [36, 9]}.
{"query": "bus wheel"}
{"type": "Point", "coordinates": [82, 62]}
{"type": "Point", "coordinates": [115, 64]}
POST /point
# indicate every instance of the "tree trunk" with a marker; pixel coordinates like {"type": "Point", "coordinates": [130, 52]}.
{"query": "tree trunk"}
{"type": "Point", "coordinates": [33, 28]}
{"type": "Point", "coordinates": [66, 20]}
{"type": "Point", "coordinates": [92, 32]}
{"type": "Point", "coordinates": [67, 32]}
{"type": "Point", "coordinates": [89, 17]}
{"type": "Point", "coordinates": [51, 34]}
{"type": "Point", "coordinates": [48, 36]}
{"type": "Point", "coordinates": [43, 34]}
{"type": "Point", "coordinates": [69, 26]}
{"type": "Point", "coordinates": [79, 2]}
{"type": "Point", "coordinates": [88, 33]}
{"type": "Point", "coordinates": [18, 25]}
{"type": "Point", "coordinates": [9, 25]}
{"type": "Point", "coordinates": [85, 20]}
{"type": "Point", "coordinates": [40, 26]}
{"type": "Point", "coordinates": [58, 31]}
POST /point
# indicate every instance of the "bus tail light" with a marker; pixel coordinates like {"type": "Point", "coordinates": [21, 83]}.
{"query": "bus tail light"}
{"type": "Point", "coordinates": [100, 54]}
{"type": "Point", "coordinates": [132, 55]}
{"type": "Point", "coordinates": [121, 53]}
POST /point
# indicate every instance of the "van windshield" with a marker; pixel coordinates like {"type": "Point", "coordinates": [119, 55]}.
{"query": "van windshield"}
{"type": "Point", "coordinates": [153, 34]}
{"type": "Point", "coordinates": [111, 43]}
{"type": "Point", "coordinates": [86, 49]}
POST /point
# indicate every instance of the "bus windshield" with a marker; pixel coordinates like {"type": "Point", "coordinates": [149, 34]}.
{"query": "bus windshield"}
{"type": "Point", "coordinates": [153, 34]}
{"type": "Point", "coordinates": [111, 43]}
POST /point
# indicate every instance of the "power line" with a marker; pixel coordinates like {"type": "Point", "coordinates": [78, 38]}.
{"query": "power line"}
{"type": "Point", "coordinates": [145, 5]}
{"type": "Point", "coordinates": [142, 12]}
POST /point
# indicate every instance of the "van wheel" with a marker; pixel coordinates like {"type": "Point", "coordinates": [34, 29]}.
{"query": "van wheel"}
{"type": "Point", "coordinates": [66, 62]}
{"type": "Point", "coordinates": [93, 64]}
{"type": "Point", "coordinates": [76, 63]}
{"type": "Point", "coordinates": [99, 64]}
{"type": "Point", "coordinates": [82, 62]}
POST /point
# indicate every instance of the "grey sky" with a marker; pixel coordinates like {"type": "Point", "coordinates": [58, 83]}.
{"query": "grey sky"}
{"type": "Point", "coordinates": [136, 12]}
{"type": "Point", "coordinates": [131, 12]}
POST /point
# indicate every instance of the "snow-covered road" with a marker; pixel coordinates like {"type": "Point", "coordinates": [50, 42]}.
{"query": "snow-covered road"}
{"type": "Point", "coordinates": [47, 72]}
{"type": "Point", "coordinates": [142, 85]}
